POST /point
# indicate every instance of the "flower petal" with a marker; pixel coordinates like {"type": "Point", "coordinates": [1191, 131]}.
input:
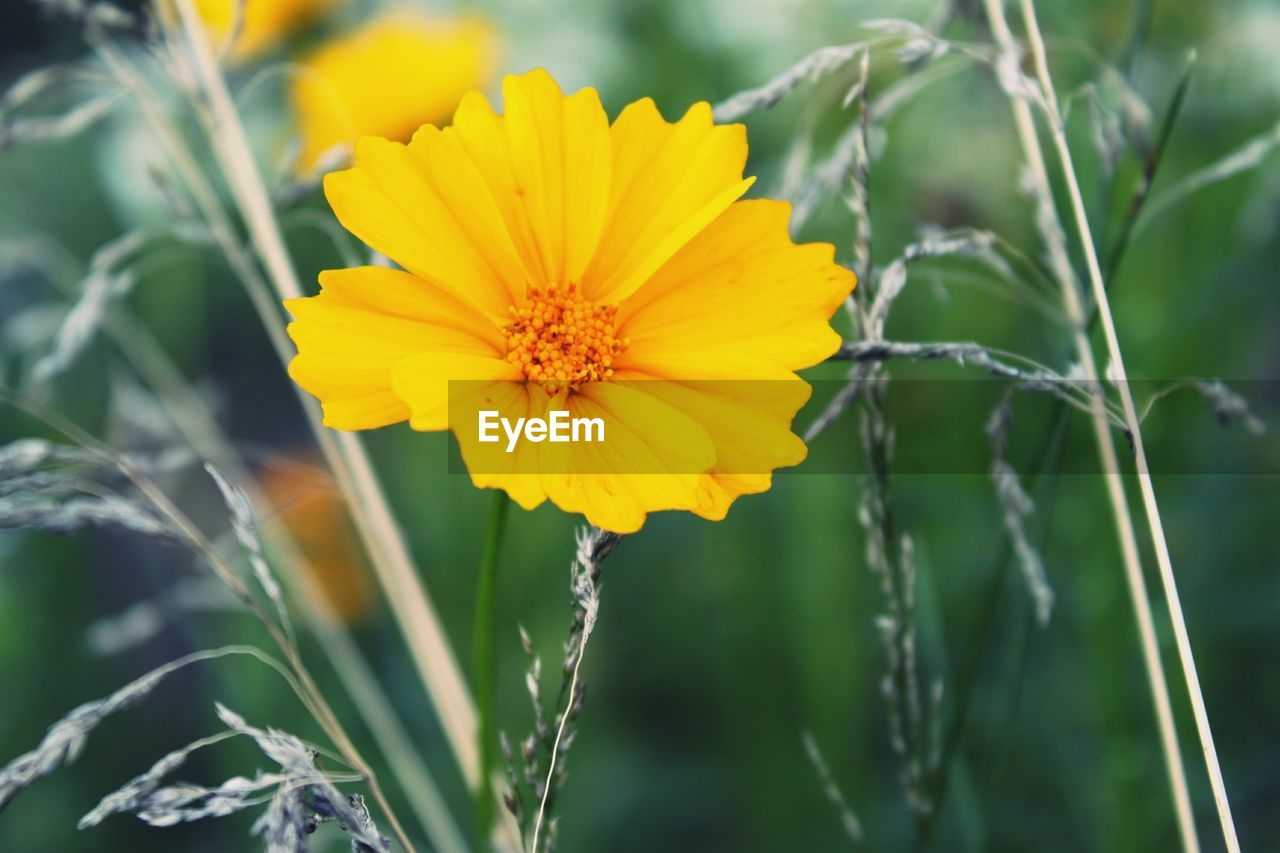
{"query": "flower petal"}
{"type": "Point", "coordinates": [740, 288]}
{"type": "Point", "coordinates": [669, 182]}
{"type": "Point", "coordinates": [363, 322]}
{"type": "Point", "coordinates": [481, 133]}
{"type": "Point", "coordinates": [390, 200]}
{"type": "Point", "coordinates": [561, 155]}
{"type": "Point", "coordinates": [749, 422]}
{"type": "Point", "coordinates": [717, 492]}
{"type": "Point", "coordinates": [490, 465]}
{"type": "Point", "coordinates": [650, 460]}
{"type": "Point", "coordinates": [423, 382]}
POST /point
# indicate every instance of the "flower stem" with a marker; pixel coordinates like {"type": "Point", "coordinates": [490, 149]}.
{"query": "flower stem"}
{"type": "Point", "coordinates": [485, 661]}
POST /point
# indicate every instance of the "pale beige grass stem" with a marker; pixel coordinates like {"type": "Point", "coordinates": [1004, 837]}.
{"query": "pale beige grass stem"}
{"type": "Point", "coordinates": [206, 200]}
{"type": "Point", "coordinates": [393, 564]}
{"type": "Point", "coordinates": [1159, 541]}
{"type": "Point", "coordinates": [200, 428]}
{"type": "Point", "coordinates": [345, 452]}
{"type": "Point", "coordinates": [1060, 262]}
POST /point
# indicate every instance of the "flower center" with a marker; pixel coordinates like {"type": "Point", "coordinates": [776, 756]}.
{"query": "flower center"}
{"type": "Point", "coordinates": [558, 338]}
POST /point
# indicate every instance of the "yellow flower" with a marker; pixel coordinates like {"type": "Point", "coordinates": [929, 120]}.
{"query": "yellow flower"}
{"type": "Point", "coordinates": [388, 78]}
{"type": "Point", "coordinates": [264, 22]}
{"type": "Point", "coordinates": [562, 263]}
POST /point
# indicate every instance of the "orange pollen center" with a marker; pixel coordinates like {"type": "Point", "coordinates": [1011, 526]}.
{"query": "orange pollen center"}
{"type": "Point", "coordinates": [560, 339]}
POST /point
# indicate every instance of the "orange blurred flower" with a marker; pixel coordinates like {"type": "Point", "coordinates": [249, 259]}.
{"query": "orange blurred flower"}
{"type": "Point", "coordinates": [304, 499]}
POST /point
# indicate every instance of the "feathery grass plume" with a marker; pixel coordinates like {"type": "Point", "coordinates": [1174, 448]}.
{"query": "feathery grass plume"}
{"type": "Point", "coordinates": [812, 68]}
{"type": "Point", "coordinates": [555, 738]}
{"type": "Point", "coordinates": [109, 278]}
{"type": "Point", "coordinates": [1039, 187]}
{"type": "Point", "coordinates": [296, 672]}
{"type": "Point", "coordinates": [59, 501]}
{"type": "Point", "coordinates": [1015, 506]}
{"type": "Point", "coordinates": [81, 325]}
{"type": "Point", "coordinates": [130, 797]}
{"type": "Point", "coordinates": [300, 794]}
{"type": "Point", "coordinates": [1227, 405]}
{"type": "Point", "coordinates": [66, 738]}
{"type": "Point", "coordinates": [297, 764]}
{"type": "Point", "coordinates": [916, 47]}
{"type": "Point", "coordinates": [19, 129]}
{"type": "Point", "coordinates": [68, 514]}
{"type": "Point", "coordinates": [1152, 153]}
{"type": "Point", "coordinates": [288, 822]}
{"type": "Point", "coordinates": [75, 95]}
{"type": "Point", "coordinates": [186, 803]}
{"type": "Point", "coordinates": [245, 526]}
{"type": "Point", "coordinates": [1246, 158]}
{"type": "Point", "coordinates": [848, 160]}
{"type": "Point", "coordinates": [850, 155]}
{"type": "Point", "coordinates": [370, 505]}
{"type": "Point", "coordinates": [913, 719]}
{"type": "Point", "coordinates": [1105, 131]}
{"type": "Point", "coordinates": [848, 820]}
{"type": "Point", "coordinates": [889, 284]}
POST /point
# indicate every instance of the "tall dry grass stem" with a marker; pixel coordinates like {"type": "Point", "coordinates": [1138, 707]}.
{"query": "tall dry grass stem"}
{"type": "Point", "coordinates": [344, 655]}
{"type": "Point", "coordinates": [345, 453]}
{"type": "Point", "coordinates": [1163, 560]}
{"type": "Point", "coordinates": [200, 428]}
{"type": "Point", "coordinates": [1060, 262]}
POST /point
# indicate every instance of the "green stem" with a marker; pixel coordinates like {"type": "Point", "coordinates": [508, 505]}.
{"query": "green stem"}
{"type": "Point", "coordinates": [485, 660]}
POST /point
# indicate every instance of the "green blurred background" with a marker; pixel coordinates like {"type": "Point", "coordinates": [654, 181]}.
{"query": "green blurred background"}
{"type": "Point", "coordinates": [719, 643]}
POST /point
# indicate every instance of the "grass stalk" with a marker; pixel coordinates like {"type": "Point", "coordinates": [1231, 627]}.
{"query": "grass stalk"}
{"type": "Point", "coordinates": [200, 428]}
{"type": "Point", "coordinates": [483, 647]}
{"type": "Point", "coordinates": [297, 675]}
{"type": "Point", "coordinates": [1150, 505]}
{"type": "Point", "coordinates": [346, 454]}
{"type": "Point", "coordinates": [1060, 263]}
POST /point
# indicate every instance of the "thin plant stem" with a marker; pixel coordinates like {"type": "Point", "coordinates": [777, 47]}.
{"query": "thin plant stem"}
{"type": "Point", "coordinates": [1154, 157]}
{"type": "Point", "coordinates": [301, 680]}
{"type": "Point", "coordinates": [1163, 559]}
{"type": "Point", "coordinates": [484, 649]}
{"type": "Point", "coordinates": [588, 624]}
{"type": "Point", "coordinates": [1060, 263]}
{"type": "Point", "coordinates": [345, 453]}
{"type": "Point", "coordinates": [200, 428]}
{"type": "Point", "coordinates": [408, 610]}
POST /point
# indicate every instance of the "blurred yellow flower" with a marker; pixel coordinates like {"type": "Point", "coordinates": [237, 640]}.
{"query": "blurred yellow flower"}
{"type": "Point", "coordinates": [552, 259]}
{"type": "Point", "coordinates": [389, 78]}
{"type": "Point", "coordinates": [264, 22]}
{"type": "Point", "coordinates": [304, 499]}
